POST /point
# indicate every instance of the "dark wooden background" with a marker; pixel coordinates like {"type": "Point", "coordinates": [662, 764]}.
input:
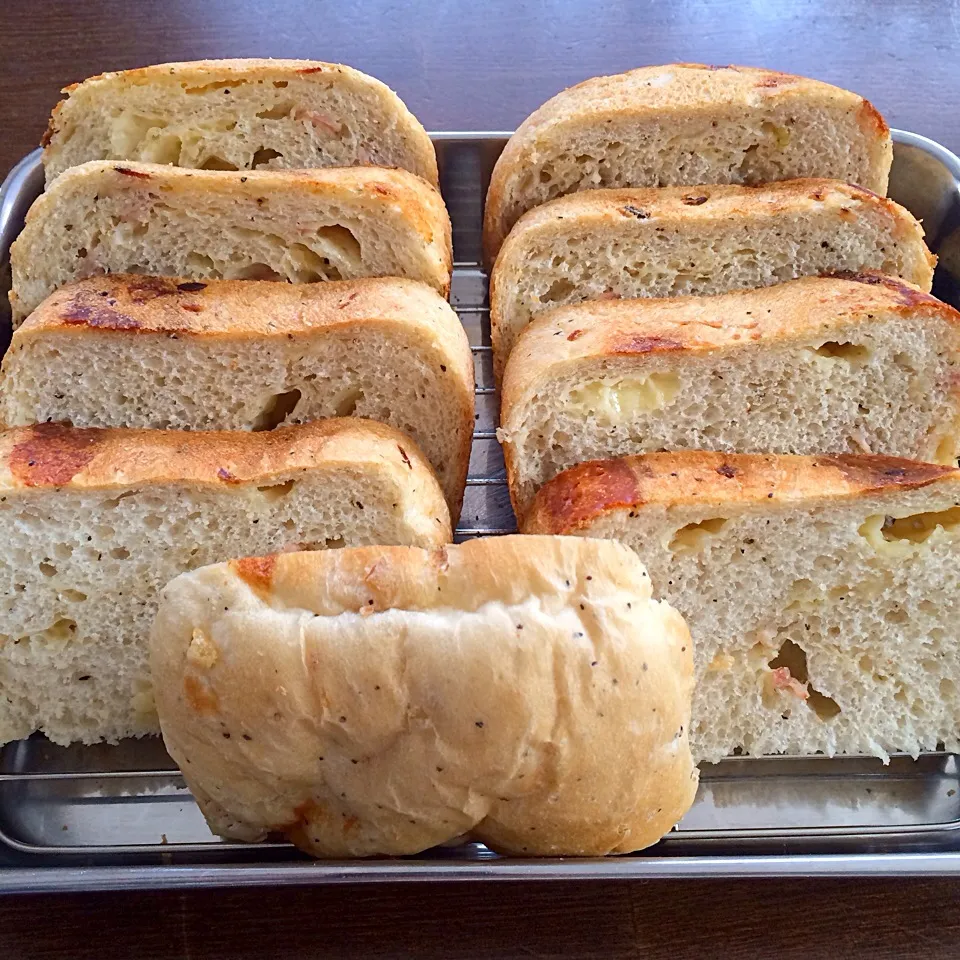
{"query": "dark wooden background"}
{"type": "Point", "coordinates": [484, 66]}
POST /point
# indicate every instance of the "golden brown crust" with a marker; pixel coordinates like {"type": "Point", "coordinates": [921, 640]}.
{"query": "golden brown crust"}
{"type": "Point", "coordinates": [635, 95]}
{"type": "Point", "coordinates": [52, 455]}
{"type": "Point", "coordinates": [111, 85]}
{"type": "Point", "coordinates": [240, 309]}
{"type": "Point", "coordinates": [358, 735]}
{"type": "Point", "coordinates": [583, 494]}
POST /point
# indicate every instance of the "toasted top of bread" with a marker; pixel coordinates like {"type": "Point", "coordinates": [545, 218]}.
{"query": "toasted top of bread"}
{"type": "Point", "coordinates": [237, 114]}
{"type": "Point", "coordinates": [243, 309]}
{"type": "Point", "coordinates": [51, 455]}
{"type": "Point", "coordinates": [584, 493]}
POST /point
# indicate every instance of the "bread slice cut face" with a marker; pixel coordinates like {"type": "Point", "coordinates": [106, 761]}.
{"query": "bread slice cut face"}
{"type": "Point", "coordinates": [95, 522]}
{"type": "Point", "coordinates": [237, 115]}
{"type": "Point", "coordinates": [854, 364]}
{"type": "Point", "coordinates": [608, 244]}
{"type": "Point", "coordinates": [296, 225]}
{"type": "Point", "coordinates": [821, 592]}
{"type": "Point", "coordinates": [161, 353]}
{"type": "Point", "coordinates": [682, 125]}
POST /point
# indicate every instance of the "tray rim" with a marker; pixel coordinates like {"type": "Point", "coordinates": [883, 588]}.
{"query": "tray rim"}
{"type": "Point", "coordinates": [43, 878]}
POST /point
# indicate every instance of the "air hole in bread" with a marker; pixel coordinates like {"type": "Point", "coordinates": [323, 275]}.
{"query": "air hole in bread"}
{"type": "Point", "coordinates": [905, 361]}
{"type": "Point", "coordinates": [946, 452]}
{"type": "Point", "coordinates": [283, 109]}
{"type": "Point", "coordinates": [694, 536]}
{"type": "Point", "coordinates": [280, 84]}
{"type": "Point", "coordinates": [347, 404]}
{"type": "Point", "coordinates": [276, 410]}
{"type": "Point", "coordinates": [333, 543]}
{"type": "Point", "coordinates": [256, 271]}
{"type": "Point", "coordinates": [120, 553]}
{"type": "Point", "coordinates": [842, 350]}
{"type": "Point", "coordinates": [342, 240]}
{"type": "Point", "coordinates": [217, 163]}
{"type": "Point", "coordinates": [792, 659]}
{"type": "Point", "coordinates": [114, 502]}
{"type": "Point", "coordinates": [74, 596]}
{"type": "Point", "coordinates": [891, 534]}
{"type": "Point", "coordinates": [223, 85]}
{"type": "Point", "coordinates": [163, 148]}
{"type": "Point", "coordinates": [62, 629]}
{"type": "Point", "coordinates": [309, 267]}
{"type": "Point", "coordinates": [779, 135]}
{"type": "Point", "coordinates": [263, 156]}
{"type": "Point", "coordinates": [277, 491]}
{"type": "Point", "coordinates": [558, 290]}
{"type": "Point", "coordinates": [48, 569]}
{"type": "Point", "coordinates": [201, 263]}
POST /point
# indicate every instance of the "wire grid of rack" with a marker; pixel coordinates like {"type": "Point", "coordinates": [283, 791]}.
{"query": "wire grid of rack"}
{"type": "Point", "coordinates": [120, 815]}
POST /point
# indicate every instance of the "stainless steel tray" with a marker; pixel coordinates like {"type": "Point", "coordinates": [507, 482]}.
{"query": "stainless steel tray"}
{"type": "Point", "coordinates": [120, 817]}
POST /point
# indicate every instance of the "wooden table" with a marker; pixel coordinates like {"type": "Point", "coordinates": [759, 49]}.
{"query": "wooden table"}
{"type": "Point", "coordinates": [484, 66]}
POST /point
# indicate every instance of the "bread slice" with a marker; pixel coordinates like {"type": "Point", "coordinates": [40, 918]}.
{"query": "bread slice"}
{"type": "Point", "coordinates": [861, 364]}
{"type": "Point", "coordinates": [668, 241]}
{"type": "Point", "coordinates": [683, 125]}
{"type": "Point", "coordinates": [301, 226]}
{"type": "Point", "coordinates": [131, 351]}
{"type": "Point", "coordinates": [383, 700]}
{"type": "Point", "coordinates": [94, 522]}
{"type": "Point", "coordinates": [237, 115]}
{"type": "Point", "coordinates": [821, 592]}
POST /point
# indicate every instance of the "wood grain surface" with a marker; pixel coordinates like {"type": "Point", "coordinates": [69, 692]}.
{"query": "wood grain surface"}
{"type": "Point", "coordinates": [470, 65]}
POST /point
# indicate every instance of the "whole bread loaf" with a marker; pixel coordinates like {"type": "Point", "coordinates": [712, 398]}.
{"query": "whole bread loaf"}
{"type": "Point", "coordinates": [662, 242]}
{"type": "Point", "coordinates": [854, 364]}
{"type": "Point", "coordinates": [383, 700]}
{"type": "Point", "coordinates": [820, 591]}
{"type": "Point", "coordinates": [685, 124]}
{"type": "Point", "coordinates": [95, 522]}
{"type": "Point", "coordinates": [155, 352]}
{"type": "Point", "coordinates": [295, 225]}
{"type": "Point", "coordinates": [237, 115]}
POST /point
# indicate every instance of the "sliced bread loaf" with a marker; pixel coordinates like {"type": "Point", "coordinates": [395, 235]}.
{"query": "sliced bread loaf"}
{"type": "Point", "coordinates": [383, 700]}
{"type": "Point", "coordinates": [862, 363]}
{"type": "Point", "coordinates": [301, 226]}
{"type": "Point", "coordinates": [94, 522]}
{"type": "Point", "coordinates": [669, 241]}
{"type": "Point", "coordinates": [821, 592]}
{"type": "Point", "coordinates": [131, 351]}
{"type": "Point", "coordinates": [682, 125]}
{"type": "Point", "coordinates": [237, 115]}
